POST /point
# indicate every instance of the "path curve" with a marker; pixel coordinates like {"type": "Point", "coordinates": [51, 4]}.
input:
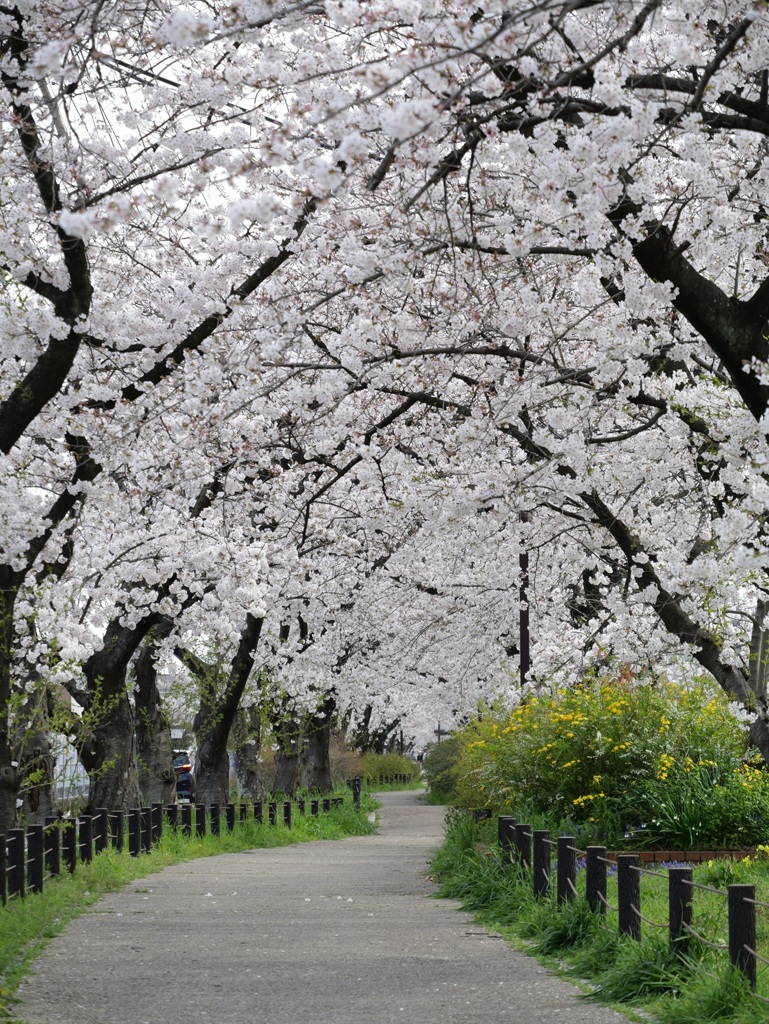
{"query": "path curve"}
{"type": "Point", "coordinates": [337, 932]}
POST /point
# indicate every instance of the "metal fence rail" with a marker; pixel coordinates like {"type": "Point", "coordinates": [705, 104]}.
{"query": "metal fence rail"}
{"type": "Point", "coordinates": [516, 839]}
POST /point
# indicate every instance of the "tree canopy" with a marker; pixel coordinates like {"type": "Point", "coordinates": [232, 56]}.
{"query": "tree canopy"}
{"type": "Point", "coordinates": [327, 312]}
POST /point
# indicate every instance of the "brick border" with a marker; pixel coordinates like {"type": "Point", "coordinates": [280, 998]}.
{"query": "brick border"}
{"type": "Point", "coordinates": [683, 856]}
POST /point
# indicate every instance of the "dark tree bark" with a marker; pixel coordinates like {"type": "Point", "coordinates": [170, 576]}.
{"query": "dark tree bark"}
{"type": "Point", "coordinates": [734, 329]}
{"type": "Point", "coordinates": [8, 775]}
{"type": "Point", "coordinates": [106, 740]}
{"type": "Point", "coordinates": [215, 719]}
{"type": "Point", "coordinates": [108, 755]}
{"type": "Point", "coordinates": [35, 758]}
{"type": "Point", "coordinates": [247, 741]}
{"type": "Point", "coordinates": [370, 740]}
{"type": "Point", "coordinates": [316, 763]}
{"type": "Point", "coordinates": [154, 747]}
{"type": "Point", "coordinates": [705, 648]}
{"type": "Point", "coordinates": [287, 733]}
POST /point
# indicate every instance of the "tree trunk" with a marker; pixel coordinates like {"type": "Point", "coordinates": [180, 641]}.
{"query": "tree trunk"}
{"type": "Point", "coordinates": [247, 733]}
{"type": "Point", "coordinates": [8, 777]}
{"type": "Point", "coordinates": [215, 719]}
{"type": "Point", "coordinates": [370, 740]}
{"type": "Point", "coordinates": [316, 763]}
{"type": "Point", "coordinates": [108, 755]}
{"type": "Point", "coordinates": [212, 773]}
{"type": "Point", "coordinates": [287, 737]}
{"type": "Point", "coordinates": [106, 741]}
{"type": "Point", "coordinates": [154, 747]}
{"type": "Point", "coordinates": [35, 759]}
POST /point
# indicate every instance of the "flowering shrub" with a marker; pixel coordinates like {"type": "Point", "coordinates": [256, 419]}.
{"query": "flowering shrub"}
{"type": "Point", "coordinates": [620, 762]}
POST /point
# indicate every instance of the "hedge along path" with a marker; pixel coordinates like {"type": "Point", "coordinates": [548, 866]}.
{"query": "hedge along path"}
{"type": "Point", "coordinates": [339, 932]}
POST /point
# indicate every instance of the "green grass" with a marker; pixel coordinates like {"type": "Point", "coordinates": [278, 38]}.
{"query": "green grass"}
{"type": "Point", "coordinates": [684, 986]}
{"type": "Point", "coordinates": [27, 925]}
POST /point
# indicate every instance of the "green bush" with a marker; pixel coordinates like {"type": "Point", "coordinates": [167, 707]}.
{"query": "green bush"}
{"type": "Point", "coordinates": [439, 767]}
{"type": "Point", "coordinates": [375, 766]}
{"type": "Point", "coordinates": [616, 762]}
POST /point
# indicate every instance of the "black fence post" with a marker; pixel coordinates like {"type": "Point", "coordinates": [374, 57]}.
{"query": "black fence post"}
{"type": "Point", "coordinates": [505, 837]}
{"type": "Point", "coordinates": [287, 813]}
{"type": "Point", "coordinates": [216, 819]}
{"type": "Point", "coordinates": [629, 893]}
{"type": "Point", "coordinates": [522, 838]}
{"type": "Point", "coordinates": [118, 830]}
{"type": "Point", "coordinates": [314, 808]}
{"type": "Point", "coordinates": [35, 857]}
{"type": "Point", "coordinates": [356, 793]}
{"type": "Point", "coordinates": [86, 838]}
{"type": "Point", "coordinates": [302, 805]}
{"type": "Point", "coordinates": [172, 815]}
{"type": "Point", "coordinates": [52, 845]}
{"type": "Point", "coordinates": [3, 871]}
{"type": "Point", "coordinates": [272, 812]}
{"type": "Point", "coordinates": [187, 820]}
{"type": "Point", "coordinates": [200, 820]}
{"type": "Point", "coordinates": [100, 830]}
{"type": "Point", "coordinates": [135, 831]}
{"type": "Point", "coordinates": [680, 899]}
{"type": "Point", "coordinates": [69, 844]}
{"type": "Point", "coordinates": [230, 817]}
{"type": "Point", "coordinates": [326, 805]}
{"type": "Point", "coordinates": [541, 858]}
{"type": "Point", "coordinates": [146, 829]}
{"type": "Point", "coordinates": [742, 930]}
{"type": "Point", "coordinates": [259, 812]}
{"type": "Point", "coordinates": [567, 870]}
{"type": "Point", "coordinates": [595, 878]}
{"type": "Point", "coordinates": [157, 822]}
{"type": "Point", "coordinates": [17, 868]}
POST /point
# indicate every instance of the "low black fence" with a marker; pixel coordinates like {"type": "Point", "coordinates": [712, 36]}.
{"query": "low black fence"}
{"type": "Point", "coordinates": [395, 780]}
{"type": "Point", "coordinates": [29, 857]}
{"type": "Point", "coordinates": [531, 850]}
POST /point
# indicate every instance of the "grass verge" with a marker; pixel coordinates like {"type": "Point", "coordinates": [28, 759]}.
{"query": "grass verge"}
{"type": "Point", "coordinates": [688, 985]}
{"type": "Point", "coordinates": [26, 926]}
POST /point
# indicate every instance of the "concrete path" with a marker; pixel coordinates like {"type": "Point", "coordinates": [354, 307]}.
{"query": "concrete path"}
{"type": "Point", "coordinates": [321, 933]}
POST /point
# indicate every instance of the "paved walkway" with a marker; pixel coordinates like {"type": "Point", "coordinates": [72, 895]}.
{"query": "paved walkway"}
{"type": "Point", "coordinates": [321, 933]}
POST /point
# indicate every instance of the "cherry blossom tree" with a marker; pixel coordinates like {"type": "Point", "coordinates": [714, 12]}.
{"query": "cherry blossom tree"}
{"type": "Point", "coordinates": [334, 310]}
{"type": "Point", "coordinates": [584, 182]}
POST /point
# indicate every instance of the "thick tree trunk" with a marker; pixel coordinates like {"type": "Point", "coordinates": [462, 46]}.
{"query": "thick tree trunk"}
{"type": "Point", "coordinates": [212, 763]}
{"type": "Point", "coordinates": [39, 793]}
{"type": "Point", "coordinates": [370, 740]}
{"type": "Point", "coordinates": [215, 719]}
{"type": "Point", "coordinates": [154, 747]}
{"type": "Point", "coordinates": [107, 745]}
{"type": "Point", "coordinates": [247, 734]}
{"type": "Point", "coordinates": [212, 773]}
{"type": "Point", "coordinates": [35, 759]}
{"type": "Point", "coordinates": [316, 762]}
{"type": "Point", "coordinates": [108, 755]}
{"type": "Point", "coordinates": [287, 769]}
{"type": "Point", "coordinates": [287, 736]}
{"type": "Point", "coordinates": [8, 776]}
